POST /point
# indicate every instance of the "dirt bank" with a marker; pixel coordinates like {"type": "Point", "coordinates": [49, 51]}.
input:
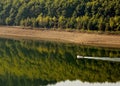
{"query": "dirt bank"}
{"type": "Point", "coordinates": [72, 37]}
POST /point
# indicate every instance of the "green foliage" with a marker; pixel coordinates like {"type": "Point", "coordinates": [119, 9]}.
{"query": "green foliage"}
{"type": "Point", "coordinates": [100, 15]}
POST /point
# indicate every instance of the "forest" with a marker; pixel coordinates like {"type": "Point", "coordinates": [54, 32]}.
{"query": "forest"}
{"type": "Point", "coordinates": [93, 15]}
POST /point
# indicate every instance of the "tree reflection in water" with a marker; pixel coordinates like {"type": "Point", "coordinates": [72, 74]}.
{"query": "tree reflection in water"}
{"type": "Point", "coordinates": [28, 63]}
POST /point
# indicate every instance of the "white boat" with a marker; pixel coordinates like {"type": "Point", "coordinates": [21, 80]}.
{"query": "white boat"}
{"type": "Point", "coordinates": [80, 57]}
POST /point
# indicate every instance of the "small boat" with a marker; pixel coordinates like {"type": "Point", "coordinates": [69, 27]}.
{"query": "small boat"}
{"type": "Point", "coordinates": [80, 57]}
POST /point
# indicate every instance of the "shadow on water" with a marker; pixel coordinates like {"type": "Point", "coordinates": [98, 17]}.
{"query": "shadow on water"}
{"type": "Point", "coordinates": [28, 63]}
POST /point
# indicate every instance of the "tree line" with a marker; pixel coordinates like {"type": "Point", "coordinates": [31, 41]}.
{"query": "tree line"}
{"type": "Point", "coordinates": [100, 15]}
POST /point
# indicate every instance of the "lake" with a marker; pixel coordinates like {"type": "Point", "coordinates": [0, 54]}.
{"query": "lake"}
{"type": "Point", "coordinates": [36, 63]}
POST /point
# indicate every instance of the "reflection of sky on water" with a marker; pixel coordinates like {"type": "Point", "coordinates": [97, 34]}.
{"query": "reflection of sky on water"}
{"type": "Point", "coordinates": [79, 83]}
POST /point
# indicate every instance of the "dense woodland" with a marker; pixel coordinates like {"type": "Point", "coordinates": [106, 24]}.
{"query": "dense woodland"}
{"type": "Point", "coordinates": [99, 15]}
{"type": "Point", "coordinates": [35, 63]}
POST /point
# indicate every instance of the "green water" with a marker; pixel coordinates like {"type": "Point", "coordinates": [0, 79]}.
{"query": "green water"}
{"type": "Point", "coordinates": [35, 63]}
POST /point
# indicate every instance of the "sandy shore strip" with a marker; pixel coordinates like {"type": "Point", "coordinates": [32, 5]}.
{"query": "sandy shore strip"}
{"type": "Point", "coordinates": [102, 40]}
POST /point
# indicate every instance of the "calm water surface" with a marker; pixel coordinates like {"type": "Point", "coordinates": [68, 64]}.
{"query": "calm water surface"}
{"type": "Point", "coordinates": [36, 63]}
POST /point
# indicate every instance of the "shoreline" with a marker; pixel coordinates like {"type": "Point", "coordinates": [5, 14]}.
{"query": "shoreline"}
{"type": "Point", "coordinates": [92, 39]}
